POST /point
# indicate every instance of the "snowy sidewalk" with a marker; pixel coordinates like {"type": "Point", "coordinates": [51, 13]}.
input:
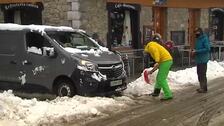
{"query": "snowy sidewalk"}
{"type": "Point", "coordinates": [15, 111]}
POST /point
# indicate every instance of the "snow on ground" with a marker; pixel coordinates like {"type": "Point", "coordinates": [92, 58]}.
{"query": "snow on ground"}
{"type": "Point", "coordinates": [22, 112]}
{"type": "Point", "coordinates": [178, 79]}
{"type": "Point", "coordinates": [15, 111]}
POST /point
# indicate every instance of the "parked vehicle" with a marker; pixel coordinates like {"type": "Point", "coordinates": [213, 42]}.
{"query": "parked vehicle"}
{"type": "Point", "coordinates": [60, 60]}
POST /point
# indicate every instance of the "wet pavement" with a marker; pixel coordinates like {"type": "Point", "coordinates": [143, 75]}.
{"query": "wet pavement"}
{"type": "Point", "coordinates": [188, 108]}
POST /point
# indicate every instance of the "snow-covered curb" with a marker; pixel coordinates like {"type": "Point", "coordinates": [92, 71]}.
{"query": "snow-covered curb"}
{"type": "Point", "coordinates": [32, 112]}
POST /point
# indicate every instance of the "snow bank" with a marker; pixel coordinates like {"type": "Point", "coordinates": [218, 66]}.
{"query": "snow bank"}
{"type": "Point", "coordinates": [189, 75]}
{"type": "Point", "coordinates": [24, 112]}
{"type": "Point", "coordinates": [178, 79]}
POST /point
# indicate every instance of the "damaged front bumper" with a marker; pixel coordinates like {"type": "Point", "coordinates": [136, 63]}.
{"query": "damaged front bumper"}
{"type": "Point", "coordinates": [94, 83]}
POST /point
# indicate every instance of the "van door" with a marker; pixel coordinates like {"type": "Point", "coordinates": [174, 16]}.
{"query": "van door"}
{"type": "Point", "coordinates": [36, 65]}
{"type": "Point", "coordinates": [9, 55]}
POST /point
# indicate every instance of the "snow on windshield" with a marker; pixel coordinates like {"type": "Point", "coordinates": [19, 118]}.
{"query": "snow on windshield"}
{"type": "Point", "coordinates": [26, 112]}
{"type": "Point", "coordinates": [86, 47]}
{"type": "Point", "coordinates": [101, 47]}
{"type": "Point", "coordinates": [95, 52]}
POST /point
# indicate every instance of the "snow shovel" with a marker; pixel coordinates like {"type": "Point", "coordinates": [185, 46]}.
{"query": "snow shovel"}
{"type": "Point", "coordinates": [146, 77]}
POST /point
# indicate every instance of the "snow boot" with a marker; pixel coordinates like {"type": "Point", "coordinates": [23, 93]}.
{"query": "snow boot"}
{"type": "Point", "coordinates": [201, 90]}
{"type": "Point", "coordinates": [155, 93]}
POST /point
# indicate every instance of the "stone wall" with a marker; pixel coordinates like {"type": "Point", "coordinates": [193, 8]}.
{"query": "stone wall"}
{"type": "Point", "coordinates": [56, 12]}
{"type": "Point", "coordinates": [74, 13]}
{"type": "Point", "coordinates": [94, 17]}
{"type": "Point", "coordinates": [204, 21]}
{"type": "Point", "coordinates": [145, 18]}
{"type": "Point", "coordinates": [177, 21]}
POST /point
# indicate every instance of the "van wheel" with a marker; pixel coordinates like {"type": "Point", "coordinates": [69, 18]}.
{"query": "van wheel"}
{"type": "Point", "coordinates": [65, 88]}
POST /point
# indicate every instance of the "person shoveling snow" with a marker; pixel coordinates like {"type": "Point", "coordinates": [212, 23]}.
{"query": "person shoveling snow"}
{"type": "Point", "coordinates": [163, 61]}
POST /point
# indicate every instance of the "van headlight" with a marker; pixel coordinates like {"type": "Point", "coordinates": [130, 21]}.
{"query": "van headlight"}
{"type": "Point", "coordinates": [89, 66]}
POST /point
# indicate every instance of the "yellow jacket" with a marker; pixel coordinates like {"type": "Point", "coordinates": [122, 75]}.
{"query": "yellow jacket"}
{"type": "Point", "coordinates": [158, 52]}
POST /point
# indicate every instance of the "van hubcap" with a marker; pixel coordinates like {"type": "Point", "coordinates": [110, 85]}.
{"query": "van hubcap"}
{"type": "Point", "coordinates": [65, 91]}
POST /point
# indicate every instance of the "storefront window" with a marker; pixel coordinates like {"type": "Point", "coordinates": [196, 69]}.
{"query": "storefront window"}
{"type": "Point", "coordinates": [123, 25]}
{"type": "Point", "coordinates": [127, 36]}
{"type": "Point", "coordinates": [217, 24]}
{"type": "Point", "coordinates": [121, 28]}
{"type": "Point", "coordinates": [117, 24]}
{"type": "Point", "coordinates": [178, 37]}
{"type": "Point", "coordinates": [22, 13]}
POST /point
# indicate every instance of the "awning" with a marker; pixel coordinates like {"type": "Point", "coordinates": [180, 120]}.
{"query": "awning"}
{"type": "Point", "coordinates": [114, 6]}
{"type": "Point", "coordinates": [19, 1]}
{"type": "Point", "coordinates": [17, 5]}
{"type": "Point", "coordinates": [141, 2]}
{"type": "Point", "coordinates": [176, 3]}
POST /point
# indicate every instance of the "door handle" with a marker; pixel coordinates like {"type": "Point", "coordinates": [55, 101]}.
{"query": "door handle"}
{"type": "Point", "coordinates": [13, 62]}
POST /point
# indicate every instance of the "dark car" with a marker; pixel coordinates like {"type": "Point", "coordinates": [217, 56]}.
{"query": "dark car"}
{"type": "Point", "coordinates": [60, 60]}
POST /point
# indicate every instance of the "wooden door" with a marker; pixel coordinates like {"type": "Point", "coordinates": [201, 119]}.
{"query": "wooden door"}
{"type": "Point", "coordinates": [193, 22]}
{"type": "Point", "coordinates": [160, 20]}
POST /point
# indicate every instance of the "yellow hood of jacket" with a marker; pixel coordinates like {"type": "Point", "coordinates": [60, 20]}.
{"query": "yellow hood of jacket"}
{"type": "Point", "coordinates": [157, 52]}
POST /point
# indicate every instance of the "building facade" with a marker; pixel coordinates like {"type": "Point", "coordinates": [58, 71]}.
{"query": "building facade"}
{"type": "Point", "coordinates": [121, 24]}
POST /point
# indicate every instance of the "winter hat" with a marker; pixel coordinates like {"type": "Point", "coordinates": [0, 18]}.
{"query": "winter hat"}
{"type": "Point", "coordinates": [157, 37]}
{"type": "Point", "coordinates": [198, 30]}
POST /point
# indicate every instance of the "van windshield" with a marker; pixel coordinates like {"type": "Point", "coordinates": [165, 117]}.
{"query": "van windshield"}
{"type": "Point", "coordinates": [73, 40]}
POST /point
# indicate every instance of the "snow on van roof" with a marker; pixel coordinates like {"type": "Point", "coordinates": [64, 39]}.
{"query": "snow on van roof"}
{"type": "Point", "coordinates": [40, 28]}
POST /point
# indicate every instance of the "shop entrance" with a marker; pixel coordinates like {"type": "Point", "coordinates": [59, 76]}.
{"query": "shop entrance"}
{"type": "Point", "coordinates": [123, 26]}
{"type": "Point", "coordinates": [23, 13]}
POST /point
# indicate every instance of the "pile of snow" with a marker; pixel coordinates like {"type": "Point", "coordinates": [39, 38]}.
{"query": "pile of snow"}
{"type": "Point", "coordinates": [24, 112]}
{"type": "Point", "coordinates": [177, 80]}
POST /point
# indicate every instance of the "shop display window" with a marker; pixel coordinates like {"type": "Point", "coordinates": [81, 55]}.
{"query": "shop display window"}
{"type": "Point", "coordinates": [121, 28]}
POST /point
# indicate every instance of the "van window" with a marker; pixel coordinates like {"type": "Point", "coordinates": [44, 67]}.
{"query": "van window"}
{"type": "Point", "coordinates": [73, 40]}
{"type": "Point", "coordinates": [36, 42]}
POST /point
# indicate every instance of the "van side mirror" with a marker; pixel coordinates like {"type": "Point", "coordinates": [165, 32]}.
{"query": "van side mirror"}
{"type": "Point", "coordinates": [49, 51]}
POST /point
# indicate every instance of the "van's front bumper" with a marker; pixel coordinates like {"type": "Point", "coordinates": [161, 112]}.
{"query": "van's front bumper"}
{"type": "Point", "coordinates": [86, 84]}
